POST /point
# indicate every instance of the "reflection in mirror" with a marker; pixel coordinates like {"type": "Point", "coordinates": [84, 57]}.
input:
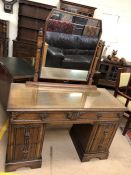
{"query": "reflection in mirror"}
{"type": "Point", "coordinates": [70, 52]}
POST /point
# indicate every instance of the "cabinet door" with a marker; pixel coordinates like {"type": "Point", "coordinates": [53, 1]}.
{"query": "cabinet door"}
{"type": "Point", "coordinates": [103, 137]}
{"type": "Point", "coordinates": [25, 142]}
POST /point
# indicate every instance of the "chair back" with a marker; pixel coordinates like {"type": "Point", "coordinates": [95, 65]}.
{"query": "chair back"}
{"type": "Point", "coordinates": [123, 90]}
{"type": "Point", "coordinates": [123, 78]}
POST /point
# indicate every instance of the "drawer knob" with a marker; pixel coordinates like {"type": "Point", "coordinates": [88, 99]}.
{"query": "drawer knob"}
{"type": "Point", "coordinates": [99, 115]}
{"type": "Point", "coordinates": [43, 116]}
{"type": "Point", "coordinates": [73, 116]}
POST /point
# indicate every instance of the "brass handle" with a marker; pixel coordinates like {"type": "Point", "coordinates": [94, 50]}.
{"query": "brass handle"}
{"type": "Point", "coordinates": [99, 115]}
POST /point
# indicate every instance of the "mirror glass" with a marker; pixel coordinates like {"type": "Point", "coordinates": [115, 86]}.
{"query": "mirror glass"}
{"type": "Point", "coordinates": [71, 42]}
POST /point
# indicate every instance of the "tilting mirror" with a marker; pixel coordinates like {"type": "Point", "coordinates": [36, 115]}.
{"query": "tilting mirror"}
{"type": "Point", "coordinates": [72, 47]}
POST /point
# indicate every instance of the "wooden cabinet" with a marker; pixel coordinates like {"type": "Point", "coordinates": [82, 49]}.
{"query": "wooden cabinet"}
{"type": "Point", "coordinates": [32, 106]}
{"type": "Point", "coordinates": [93, 140]}
{"type": "Point", "coordinates": [77, 8]}
{"type": "Point", "coordinates": [25, 142]}
{"type": "Point", "coordinates": [108, 72]}
{"type": "Point", "coordinates": [92, 134]}
{"type": "Point", "coordinates": [31, 17]}
{"type": "Point", "coordinates": [4, 38]}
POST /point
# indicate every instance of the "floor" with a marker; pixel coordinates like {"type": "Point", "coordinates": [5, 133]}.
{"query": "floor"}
{"type": "Point", "coordinates": [60, 156]}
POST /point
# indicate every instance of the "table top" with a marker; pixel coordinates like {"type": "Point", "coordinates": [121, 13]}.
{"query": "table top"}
{"type": "Point", "coordinates": [18, 67]}
{"type": "Point", "coordinates": [63, 74]}
{"type": "Point", "coordinates": [61, 97]}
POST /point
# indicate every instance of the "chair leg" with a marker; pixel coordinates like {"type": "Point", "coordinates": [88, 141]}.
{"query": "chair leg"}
{"type": "Point", "coordinates": [127, 125]}
{"type": "Point", "coordinates": [115, 94]}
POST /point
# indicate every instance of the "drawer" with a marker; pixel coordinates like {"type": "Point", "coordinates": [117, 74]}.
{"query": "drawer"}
{"type": "Point", "coordinates": [67, 117]}
{"type": "Point", "coordinates": [18, 117]}
{"type": "Point", "coordinates": [79, 117]}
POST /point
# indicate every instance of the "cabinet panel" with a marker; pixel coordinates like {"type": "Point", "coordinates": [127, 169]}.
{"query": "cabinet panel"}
{"type": "Point", "coordinates": [31, 11]}
{"type": "Point", "coordinates": [31, 23]}
{"type": "Point", "coordinates": [102, 139]}
{"type": "Point", "coordinates": [25, 142]}
{"type": "Point", "coordinates": [93, 140]}
{"type": "Point", "coordinates": [23, 49]}
{"type": "Point", "coordinates": [27, 34]}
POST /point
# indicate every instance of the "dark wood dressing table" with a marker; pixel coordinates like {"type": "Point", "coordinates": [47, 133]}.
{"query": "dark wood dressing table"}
{"type": "Point", "coordinates": [94, 113]}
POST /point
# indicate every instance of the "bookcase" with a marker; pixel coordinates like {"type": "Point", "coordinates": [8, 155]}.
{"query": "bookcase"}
{"type": "Point", "coordinates": [31, 17]}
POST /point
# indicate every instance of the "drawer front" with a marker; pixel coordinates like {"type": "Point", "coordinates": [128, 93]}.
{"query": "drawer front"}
{"type": "Point", "coordinates": [68, 117]}
{"type": "Point", "coordinates": [82, 117]}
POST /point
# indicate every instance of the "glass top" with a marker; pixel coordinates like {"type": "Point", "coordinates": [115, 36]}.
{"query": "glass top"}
{"type": "Point", "coordinates": [40, 98]}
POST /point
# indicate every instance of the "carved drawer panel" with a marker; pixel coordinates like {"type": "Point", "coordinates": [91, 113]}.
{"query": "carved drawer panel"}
{"type": "Point", "coordinates": [69, 117]}
{"type": "Point", "coordinates": [102, 138]}
{"type": "Point", "coordinates": [82, 117]}
{"type": "Point", "coordinates": [101, 115]}
{"type": "Point", "coordinates": [25, 142]}
{"type": "Point", "coordinates": [17, 117]}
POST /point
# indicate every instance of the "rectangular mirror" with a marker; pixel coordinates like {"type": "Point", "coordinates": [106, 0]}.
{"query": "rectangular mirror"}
{"type": "Point", "coordinates": [71, 47]}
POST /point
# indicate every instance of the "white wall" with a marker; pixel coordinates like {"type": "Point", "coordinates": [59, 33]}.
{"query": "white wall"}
{"type": "Point", "coordinates": [120, 8]}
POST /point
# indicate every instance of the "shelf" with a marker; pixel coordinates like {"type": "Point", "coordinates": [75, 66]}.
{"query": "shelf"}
{"type": "Point", "coordinates": [40, 5]}
{"type": "Point", "coordinates": [30, 28]}
{"type": "Point", "coordinates": [30, 16]}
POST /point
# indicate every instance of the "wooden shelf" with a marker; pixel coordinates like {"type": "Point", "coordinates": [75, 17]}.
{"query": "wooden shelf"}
{"type": "Point", "coordinates": [77, 8]}
{"type": "Point", "coordinates": [31, 17]}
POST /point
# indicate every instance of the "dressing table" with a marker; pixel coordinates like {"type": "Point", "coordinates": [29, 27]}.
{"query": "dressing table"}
{"type": "Point", "coordinates": [94, 113]}
{"type": "Point", "coordinates": [31, 106]}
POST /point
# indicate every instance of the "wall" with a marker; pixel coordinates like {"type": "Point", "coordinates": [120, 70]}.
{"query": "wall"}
{"type": "Point", "coordinates": [121, 31]}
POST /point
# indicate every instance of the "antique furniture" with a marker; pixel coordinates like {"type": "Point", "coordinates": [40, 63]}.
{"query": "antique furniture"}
{"type": "Point", "coordinates": [70, 45]}
{"type": "Point", "coordinates": [4, 38]}
{"type": "Point", "coordinates": [31, 17]}
{"type": "Point", "coordinates": [123, 93]}
{"type": "Point", "coordinates": [77, 8]}
{"type": "Point", "coordinates": [108, 72]}
{"type": "Point", "coordinates": [31, 106]}
{"type": "Point", "coordinates": [20, 70]}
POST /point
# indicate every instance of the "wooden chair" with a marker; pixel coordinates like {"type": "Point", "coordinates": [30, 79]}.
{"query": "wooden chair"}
{"type": "Point", "coordinates": [123, 93]}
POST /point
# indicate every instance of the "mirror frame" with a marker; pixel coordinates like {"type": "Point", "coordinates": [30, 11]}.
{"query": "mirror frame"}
{"type": "Point", "coordinates": [40, 46]}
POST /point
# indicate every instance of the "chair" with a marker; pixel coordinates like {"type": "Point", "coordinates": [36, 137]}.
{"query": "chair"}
{"type": "Point", "coordinates": [123, 93]}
